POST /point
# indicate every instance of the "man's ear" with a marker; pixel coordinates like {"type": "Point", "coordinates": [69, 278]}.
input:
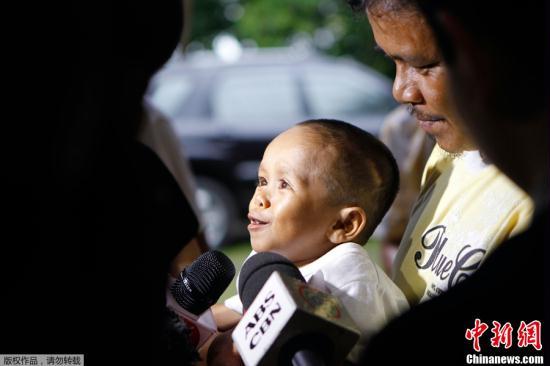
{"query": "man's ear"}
{"type": "Point", "coordinates": [348, 225]}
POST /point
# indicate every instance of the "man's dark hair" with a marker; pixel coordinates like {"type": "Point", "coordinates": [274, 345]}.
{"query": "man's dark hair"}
{"type": "Point", "coordinates": [382, 6]}
{"type": "Point", "coordinates": [363, 172]}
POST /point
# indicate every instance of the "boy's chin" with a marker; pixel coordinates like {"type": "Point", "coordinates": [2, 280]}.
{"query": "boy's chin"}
{"type": "Point", "coordinates": [260, 247]}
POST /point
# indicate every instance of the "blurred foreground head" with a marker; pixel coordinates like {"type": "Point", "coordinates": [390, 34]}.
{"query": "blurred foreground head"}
{"type": "Point", "coordinates": [121, 45]}
{"type": "Point", "coordinates": [498, 65]}
{"type": "Point", "coordinates": [88, 206]}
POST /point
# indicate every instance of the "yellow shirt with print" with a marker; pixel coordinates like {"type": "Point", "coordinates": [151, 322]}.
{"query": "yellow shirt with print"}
{"type": "Point", "coordinates": [465, 209]}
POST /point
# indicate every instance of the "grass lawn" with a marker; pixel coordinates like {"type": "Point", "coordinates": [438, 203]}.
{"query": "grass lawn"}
{"type": "Point", "coordinates": [238, 252]}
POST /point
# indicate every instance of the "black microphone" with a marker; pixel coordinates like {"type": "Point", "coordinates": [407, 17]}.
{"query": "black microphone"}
{"type": "Point", "coordinates": [287, 322]}
{"type": "Point", "coordinates": [257, 270]}
{"type": "Point", "coordinates": [197, 288]}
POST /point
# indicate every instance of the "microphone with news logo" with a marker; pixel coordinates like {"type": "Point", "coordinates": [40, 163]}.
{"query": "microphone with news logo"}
{"type": "Point", "coordinates": [197, 288]}
{"type": "Point", "coordinates": [286, 321]}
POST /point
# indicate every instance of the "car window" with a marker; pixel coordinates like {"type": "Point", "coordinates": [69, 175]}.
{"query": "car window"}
{"type": "Point", "coordinates": [170, 95]}
{"type": "Point", "coordinates": [333, 92]}
{"type": "Point", "coordinates": [256, 94]}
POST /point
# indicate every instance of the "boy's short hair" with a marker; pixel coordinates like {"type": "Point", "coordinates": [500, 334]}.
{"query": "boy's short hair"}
{"type": "Point", "coordinates": [363, 171]}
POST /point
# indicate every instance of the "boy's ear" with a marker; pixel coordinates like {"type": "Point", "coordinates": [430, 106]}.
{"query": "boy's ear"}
{"type": "Point", "coordinates": [348, 226]}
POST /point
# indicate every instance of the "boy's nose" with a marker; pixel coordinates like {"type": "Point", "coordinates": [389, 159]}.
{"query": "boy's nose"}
{"type": "Point", "coordinates": [261, 200]}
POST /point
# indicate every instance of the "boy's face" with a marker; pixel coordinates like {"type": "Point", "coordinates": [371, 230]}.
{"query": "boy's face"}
{"type": "Point", "coordinates": [290, 212]}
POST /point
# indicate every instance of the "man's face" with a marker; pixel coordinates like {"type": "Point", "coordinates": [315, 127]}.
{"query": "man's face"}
{"type": "Point", "coordinates": [289, 212]}
{"type": "Point", "coordinates": [421, 76]}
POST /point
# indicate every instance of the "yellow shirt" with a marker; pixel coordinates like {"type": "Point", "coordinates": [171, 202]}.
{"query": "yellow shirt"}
{"type": "Point", "coordinates": [465, 209]}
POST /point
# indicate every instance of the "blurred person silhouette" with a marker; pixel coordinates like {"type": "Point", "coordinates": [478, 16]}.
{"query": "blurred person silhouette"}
{"type": "Point", "coordinates": [411, 147]}
{"type": "Point", "coordinates": [94, 218]}
{"type": "Point", "coordinates": [502, 95]}
{"type": "Point", "coordinates": [160, 135]}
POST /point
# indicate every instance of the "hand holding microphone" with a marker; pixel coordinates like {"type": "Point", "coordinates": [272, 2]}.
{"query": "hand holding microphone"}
{"type": "Point", "coordinates": [286, 321]}
{"type": "Point", "coordinates": [197, 288]}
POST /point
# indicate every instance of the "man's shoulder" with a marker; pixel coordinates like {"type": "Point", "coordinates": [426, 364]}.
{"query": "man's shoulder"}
{"type": "Point", "coordinates": [509, 287]}
{"type": "Point", "coordinates": [509, 284]}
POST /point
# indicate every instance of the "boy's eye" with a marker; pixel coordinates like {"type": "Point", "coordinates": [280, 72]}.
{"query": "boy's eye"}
{"type": "Point", "coordinates": [283, 184]}
{"type": "Point", "coordinates": [261, 182]}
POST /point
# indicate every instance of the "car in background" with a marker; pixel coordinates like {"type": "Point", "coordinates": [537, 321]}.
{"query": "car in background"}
{"type": "Point", "coordinates": [227, 112]}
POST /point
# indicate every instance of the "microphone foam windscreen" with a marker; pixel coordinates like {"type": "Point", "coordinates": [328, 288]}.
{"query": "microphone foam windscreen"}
{"type": "Point", "coordinates": [201, 284]}
{"type": "Point", "coordinates": [256, 271]}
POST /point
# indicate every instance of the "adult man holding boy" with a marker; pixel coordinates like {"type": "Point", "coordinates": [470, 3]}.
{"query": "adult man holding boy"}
{"type": "Point", "coordinates": [502, 96]}
{"type": "Point", "coordinates": [466, 206]}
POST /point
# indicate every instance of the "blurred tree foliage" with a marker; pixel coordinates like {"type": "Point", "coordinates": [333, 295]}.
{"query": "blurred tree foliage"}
{"type": "Point", "coordinates": [330, 25]}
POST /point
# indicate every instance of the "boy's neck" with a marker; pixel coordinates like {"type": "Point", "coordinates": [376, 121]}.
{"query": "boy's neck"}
{"type": "Point", "coordinates": [305, 262]}
{"type": "Point", "coordinates": [300, 264]}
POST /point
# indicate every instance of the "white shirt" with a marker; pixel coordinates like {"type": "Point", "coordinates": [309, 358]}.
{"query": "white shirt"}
{"type": "Point", "coordinates": [367, 293]}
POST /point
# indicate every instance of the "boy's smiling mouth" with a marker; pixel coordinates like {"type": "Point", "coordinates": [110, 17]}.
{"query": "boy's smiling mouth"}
{"type": "Point", "coordinates": [255, 222]}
